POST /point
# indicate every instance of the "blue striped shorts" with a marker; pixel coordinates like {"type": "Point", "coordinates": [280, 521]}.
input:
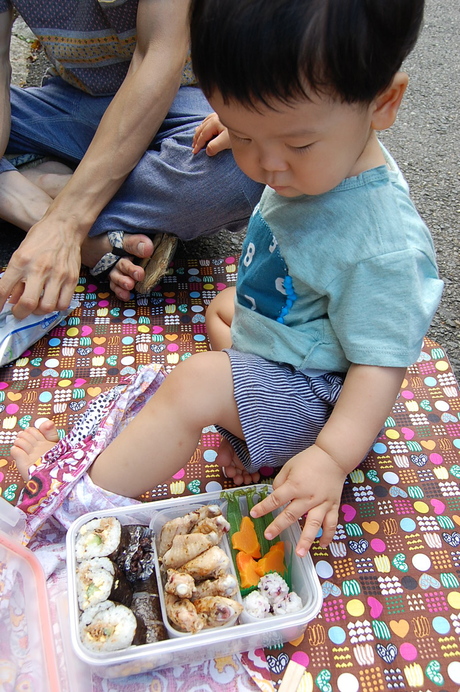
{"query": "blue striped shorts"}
{"type": "Point", "coordinates": [281, 410]}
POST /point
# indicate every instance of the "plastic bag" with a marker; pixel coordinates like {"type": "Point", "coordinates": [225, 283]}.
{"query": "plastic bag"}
{"type": "Point", "coordinates": [17, 335]}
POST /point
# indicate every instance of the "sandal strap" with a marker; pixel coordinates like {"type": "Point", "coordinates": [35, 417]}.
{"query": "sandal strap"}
{"type": "Point", "coordinates": [109, 260]}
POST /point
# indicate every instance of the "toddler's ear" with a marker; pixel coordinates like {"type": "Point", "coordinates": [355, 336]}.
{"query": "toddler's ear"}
{"type": "Point", "coordinates": [386, 105]}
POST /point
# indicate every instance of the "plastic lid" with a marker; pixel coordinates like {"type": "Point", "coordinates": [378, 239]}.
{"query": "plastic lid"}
{"type": "Point", "coordinates": [26, 638]}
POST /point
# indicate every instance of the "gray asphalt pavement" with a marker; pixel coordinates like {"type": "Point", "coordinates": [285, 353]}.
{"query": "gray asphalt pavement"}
{"type": "Point", "coordinates": [425, 141]}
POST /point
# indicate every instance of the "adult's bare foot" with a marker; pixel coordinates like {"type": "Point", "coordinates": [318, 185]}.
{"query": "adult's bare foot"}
{"type": "Point", "coordinates": [31, 444]}
{"type": "Point", "coordinates": [232, 465]}
{"type": "Point", "coordinates": [125, 273]}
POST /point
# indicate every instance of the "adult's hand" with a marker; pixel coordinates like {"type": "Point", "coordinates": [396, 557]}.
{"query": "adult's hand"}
{"type": "Point", "coordinates": [42, 274]}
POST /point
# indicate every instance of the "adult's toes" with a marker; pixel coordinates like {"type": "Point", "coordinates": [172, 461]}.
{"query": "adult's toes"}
{"type": "Point", "coordinates": [125, 273]}
{"type": "Point", "coordinates": [138, 244]}
{"type": "Point", "coordinates": [121, 285]}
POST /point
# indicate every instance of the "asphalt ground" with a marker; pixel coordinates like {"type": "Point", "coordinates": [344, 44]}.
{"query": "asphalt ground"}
{"type": "Point", "coordinates": [425, 141]}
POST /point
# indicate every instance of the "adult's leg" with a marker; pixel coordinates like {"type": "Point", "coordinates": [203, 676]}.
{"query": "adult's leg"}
{"type": "Point", "coordinates": [174, 191]}
{"type": "Point", "coordinates": [59, 121]}
{"type": "Point", "coordinates": [171, 190]}
{"type": "Point", "coordinates": [55, 120]}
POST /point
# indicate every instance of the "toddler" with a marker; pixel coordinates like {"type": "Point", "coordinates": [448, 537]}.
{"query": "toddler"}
{"type": "Point", "coordinates": [337, 282]}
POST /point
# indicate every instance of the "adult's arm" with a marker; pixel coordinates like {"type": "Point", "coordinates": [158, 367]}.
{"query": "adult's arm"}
{"type": "Point", "coordinates": [42, 273]}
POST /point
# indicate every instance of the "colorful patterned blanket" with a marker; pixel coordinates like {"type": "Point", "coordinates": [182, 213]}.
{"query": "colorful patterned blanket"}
{"type": "Point", "coordinates": [391, 577]}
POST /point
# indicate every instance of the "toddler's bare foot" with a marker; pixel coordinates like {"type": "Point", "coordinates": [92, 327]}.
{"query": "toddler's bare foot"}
{"type": "Point", "coordinates": [33, 443]}
{"type": "Point", "coordinates": [232, 465]}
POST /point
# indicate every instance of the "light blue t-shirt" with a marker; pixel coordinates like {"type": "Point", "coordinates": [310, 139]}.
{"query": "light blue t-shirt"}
{"type": "Point", "coordinates": [345, 277]}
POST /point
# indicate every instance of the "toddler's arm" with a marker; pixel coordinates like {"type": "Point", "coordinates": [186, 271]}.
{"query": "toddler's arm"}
{"type": "Point", "coordinates": [312, 481]}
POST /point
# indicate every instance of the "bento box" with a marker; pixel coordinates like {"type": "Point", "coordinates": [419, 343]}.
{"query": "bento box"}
{"type": "Point", "coordinates": [240, 632]}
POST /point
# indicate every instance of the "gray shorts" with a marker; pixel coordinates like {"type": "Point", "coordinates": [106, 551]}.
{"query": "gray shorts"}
{"type": "Point", "coordinates": [281, 410]}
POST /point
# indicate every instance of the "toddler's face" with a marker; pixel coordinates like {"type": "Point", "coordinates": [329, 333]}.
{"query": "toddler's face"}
{"type": "Point", "coordinates": [308, 147]}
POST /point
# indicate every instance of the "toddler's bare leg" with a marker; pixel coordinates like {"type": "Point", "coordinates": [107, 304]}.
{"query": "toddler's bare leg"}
{"type": "Point", "coordinates": [219, 316]}
{"type": "Point", "coordinates": [161, 439]}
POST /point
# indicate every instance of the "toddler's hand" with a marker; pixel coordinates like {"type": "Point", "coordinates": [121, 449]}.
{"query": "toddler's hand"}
{"type": "Point", "coordinates": [310, 483]}
{"type": "Point", "coordinates": [212, 135]}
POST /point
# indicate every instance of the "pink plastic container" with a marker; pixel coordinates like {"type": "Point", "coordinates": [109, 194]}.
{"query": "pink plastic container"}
{"type": "Point", "coordinates": [27, 652]}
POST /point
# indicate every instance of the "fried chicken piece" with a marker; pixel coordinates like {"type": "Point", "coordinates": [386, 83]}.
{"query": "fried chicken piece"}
{"type": "Point", "coordinates": [212, 563]}
{"type": "Point", "coordinates": [208, 525]}
{"type": "Point", "coordinates": [183, 614]}
{"type": "Point", "coordinates": [183, 525]}
{"type": "Point", "coordinates": [223, 586]}
{"type": "Point", "coordinates": [217, 610]}
{"type": "Point", "coordinates": [172, 528]}
{"type": "Point", "coordinates": [186, 548]}
{"type": "Point", "coordinates": [180, 584]}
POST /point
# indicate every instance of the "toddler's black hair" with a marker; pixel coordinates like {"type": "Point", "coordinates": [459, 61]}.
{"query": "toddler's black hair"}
{"type": "Point", "coordinates": [258, 51]}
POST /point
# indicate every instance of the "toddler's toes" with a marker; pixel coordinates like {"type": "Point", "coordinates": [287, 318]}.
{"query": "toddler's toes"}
{"type": "Point", "coordinates": [250, 478]}
{"type": "Point", "coordinates": [26, 439]}
{"type": "Point", "coordinates": [31, 444]}
{"type": "Point", "coordinates": [49, 431]}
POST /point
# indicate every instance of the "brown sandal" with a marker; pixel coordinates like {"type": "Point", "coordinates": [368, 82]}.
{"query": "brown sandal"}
{"type": "Point", "coordinates": [156, 266]}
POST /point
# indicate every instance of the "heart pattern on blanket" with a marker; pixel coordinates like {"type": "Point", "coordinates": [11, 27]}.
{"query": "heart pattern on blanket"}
{"type": "Point", "coordinates": [323, 681]}
{"type": "Point", "coordinates": [427, 581]}
{"type": "Point", "coordinates": [452, 539]}
{"type": "Point", "coordinates": [376, 607]}
{"type": "Point", "coordinates": [278, 664]}
{"type": "Point", "coordinates": [387, 653]}
{"type": "Point", "coordinates": [433, 673]}
{"type": "Point", "coordinates": [399, 627]}
{"type": "Point", "coordinates": [77, 405]}
{"type": "Point", "coordinates": [419, 460]}
{"type": "Point", "coordinates": [371, 527]}
{"type": "Point", "coordinates": [396, 491]}
{"type": "Point", "coordinates": [399, 561]}
{"type": "Point", "coordinates": [428, 444]}
{"type": "Point", "coordinates": [359, 547]}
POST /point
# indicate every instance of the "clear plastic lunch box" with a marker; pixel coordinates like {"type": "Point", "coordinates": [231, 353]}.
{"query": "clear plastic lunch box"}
{"type": "Point", "coordinates": [209, 643]}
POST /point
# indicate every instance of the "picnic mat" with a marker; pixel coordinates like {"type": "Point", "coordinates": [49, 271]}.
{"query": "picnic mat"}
{"type": "Point", "coordinates": [390, 578]}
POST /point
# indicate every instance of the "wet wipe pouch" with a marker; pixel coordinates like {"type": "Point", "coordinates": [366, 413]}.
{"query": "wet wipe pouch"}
{"type": "Point", "coordinates": [17, 335]}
